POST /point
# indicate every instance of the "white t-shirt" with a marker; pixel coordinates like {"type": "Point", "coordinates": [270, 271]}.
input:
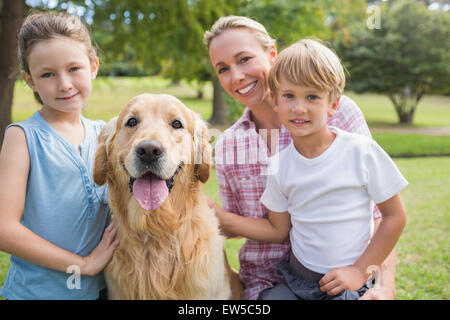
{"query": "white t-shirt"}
{"type": "Point", "coordinates": [330, 198]}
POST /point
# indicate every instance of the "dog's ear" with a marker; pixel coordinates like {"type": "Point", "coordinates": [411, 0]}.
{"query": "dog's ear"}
{"type": "Point", "coordinates": [101, 155]}
{"type": "Point", "coordinates": [202, 158]}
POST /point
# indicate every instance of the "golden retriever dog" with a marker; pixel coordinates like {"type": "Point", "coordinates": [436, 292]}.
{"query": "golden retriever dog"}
{"type": "Point", "coordinates": [154, 157]}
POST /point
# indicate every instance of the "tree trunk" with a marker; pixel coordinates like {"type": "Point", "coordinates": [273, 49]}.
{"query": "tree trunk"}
{"type": "Point", "coordinates": [406, 117]}
{"type": "Point", "coordinates": [220, 109]}
{"type": "Point", "coordinates": [11, 19]}
{"type": "Point", "coordinates": [405, 105]}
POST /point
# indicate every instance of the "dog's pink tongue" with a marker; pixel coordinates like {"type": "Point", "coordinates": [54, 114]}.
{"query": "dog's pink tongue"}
{"type": "Point", "coordinates": [150, 192]}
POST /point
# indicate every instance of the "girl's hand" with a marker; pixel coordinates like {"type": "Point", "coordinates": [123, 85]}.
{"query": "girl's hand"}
{"type": "Point", "coordinates": [100, 256]}
{"type": "Point", "coordinates": [340, 279]}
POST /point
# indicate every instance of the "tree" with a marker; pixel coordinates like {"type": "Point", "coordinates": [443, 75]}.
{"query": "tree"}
{"type": "Point", "coordinates": [405, 59]}
{"type": "Point", "coordinates": [290, 20]}
{"type": "Point", "coordinates": [11, 17]}
{"type": "Point", "coordinates": [166, 33]}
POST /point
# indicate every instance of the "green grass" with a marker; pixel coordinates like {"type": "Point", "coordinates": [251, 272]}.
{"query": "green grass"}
{"type": "Point", "coordinates": [432, 111]}
{"type": "Point", "coordinates": [422, 252]}
{"type": "Point", "coordinates": [110, 95]}
{"type": "Point", "coordinates": [409, 145]}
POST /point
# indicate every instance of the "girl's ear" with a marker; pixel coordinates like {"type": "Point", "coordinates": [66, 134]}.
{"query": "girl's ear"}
{"type": "Point", "coordinates": [94, 68]}
{"type": "Point", "coordinates": [27, 78]}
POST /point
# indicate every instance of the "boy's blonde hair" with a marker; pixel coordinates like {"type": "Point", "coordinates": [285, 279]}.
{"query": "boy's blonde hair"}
{"type": "Point", "coordinates": [309, 63]}
{"type": "Point", "coordinates": [233, 22]}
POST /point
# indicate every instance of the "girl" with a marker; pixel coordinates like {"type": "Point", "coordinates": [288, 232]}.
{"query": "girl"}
{"type": "Point", "coordinates": [242, 53]}
{"type": "Point", "coordinates": [52, 215]}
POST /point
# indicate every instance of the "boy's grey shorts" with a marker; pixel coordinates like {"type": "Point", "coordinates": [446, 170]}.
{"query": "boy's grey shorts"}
{"type": "Point", "coordinates": [300, 283]}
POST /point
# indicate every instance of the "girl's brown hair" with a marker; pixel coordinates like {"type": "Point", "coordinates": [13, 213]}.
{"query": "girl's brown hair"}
{"type": "Point", "coordinates": [41, 26]}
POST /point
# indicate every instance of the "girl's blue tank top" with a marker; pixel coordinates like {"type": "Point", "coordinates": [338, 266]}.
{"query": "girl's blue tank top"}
{"type": "Point", "coordinates": [64, 206]}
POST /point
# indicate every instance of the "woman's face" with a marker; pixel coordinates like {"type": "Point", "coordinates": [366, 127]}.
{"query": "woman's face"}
{"type": "Point", "coordinates": [242, 65]}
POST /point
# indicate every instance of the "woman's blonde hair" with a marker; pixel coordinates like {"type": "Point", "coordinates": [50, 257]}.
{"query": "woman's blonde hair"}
{"type": "Point", "coordinates": [41, 26]}
{"type": "Point", "coordinates": [309, 63]}
{"type": "Point", "coordinates": [233, 22]}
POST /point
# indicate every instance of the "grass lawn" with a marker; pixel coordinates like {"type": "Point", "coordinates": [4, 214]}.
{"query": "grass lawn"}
{"type": "Point", "coordinates": [110, 95]}
{"type": "Point", "coordinates": [432, 111]}
{"type": "Point", "coordinates": [422, 252]}
{"type": "Point", "coordinates": [409, 145]}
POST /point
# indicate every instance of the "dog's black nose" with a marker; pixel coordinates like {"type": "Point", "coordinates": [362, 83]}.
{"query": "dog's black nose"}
{"type": "Point", "coordinates": [149, 150]}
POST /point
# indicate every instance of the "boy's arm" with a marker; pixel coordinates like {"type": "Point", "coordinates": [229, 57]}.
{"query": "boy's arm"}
{"type": "Point", "coordinates": [274, 229]}
{"type": "Point", "coordinates": [384, 287]}
{"type": "Point", "coordinates": [381, 245]}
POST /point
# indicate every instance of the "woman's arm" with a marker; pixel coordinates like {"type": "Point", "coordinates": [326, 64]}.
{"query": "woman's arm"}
{"type": "Point", "coordinates": [20, 241]}
{"type": "Point", "coordinates": [226, 196]}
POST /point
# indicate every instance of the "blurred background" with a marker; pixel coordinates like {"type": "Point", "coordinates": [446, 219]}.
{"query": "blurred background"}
{"type": "Point", "coordinates": [396, 52]}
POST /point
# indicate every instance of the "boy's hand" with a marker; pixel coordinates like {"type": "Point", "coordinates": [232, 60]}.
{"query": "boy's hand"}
{"type": "Point", "coordinates": [220, 213]}
{"type": "Point", "coordinates": [100, 256]}
{"type": "Point", "coordinates": [340, 279]}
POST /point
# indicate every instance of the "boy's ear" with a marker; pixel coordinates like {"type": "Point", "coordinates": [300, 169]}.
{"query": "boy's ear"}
{"type": "Point", "coordinates": [94, 67]}
{"type": "Point", "coordinates": [275, 106]}
{"type": "Point", "coordinates": [333, 107]}
{"type": "Point", "coordinates": [27, 78]}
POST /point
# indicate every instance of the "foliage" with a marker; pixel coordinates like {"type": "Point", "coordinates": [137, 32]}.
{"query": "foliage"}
{"type": "Point", "coordinates": [289, 20]}
{"type": "Point", "coordinates": [404, 59]}
{"type": "Point", "coordinates": [160, 34]}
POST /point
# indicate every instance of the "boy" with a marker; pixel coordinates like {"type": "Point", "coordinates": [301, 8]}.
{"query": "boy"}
{"type": "Point", "coordinates": [324, 185]}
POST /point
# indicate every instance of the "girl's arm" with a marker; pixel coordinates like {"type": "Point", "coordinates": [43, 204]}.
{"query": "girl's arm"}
{"type": "Point", "coordinates": [274, 229]}
{"type": "Point", "coordinates": [20, 241]}
{"type": "Point", "coordinates": [381, 245]}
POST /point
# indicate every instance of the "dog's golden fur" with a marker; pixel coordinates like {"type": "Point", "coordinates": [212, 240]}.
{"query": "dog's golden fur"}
{"type": "Point", "coordinates": [175, 251]}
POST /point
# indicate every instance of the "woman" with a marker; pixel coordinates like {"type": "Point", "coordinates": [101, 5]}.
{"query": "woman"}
{"type": "Point", "coordinates": [242, 53]}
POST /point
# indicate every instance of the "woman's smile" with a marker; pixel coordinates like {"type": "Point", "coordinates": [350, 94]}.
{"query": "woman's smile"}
{"type": "Point", "coordinates": [247, 89]}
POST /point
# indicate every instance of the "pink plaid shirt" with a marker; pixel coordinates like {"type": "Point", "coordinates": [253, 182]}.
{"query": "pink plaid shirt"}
{"type": "Point", "coordinates": [241, 158]}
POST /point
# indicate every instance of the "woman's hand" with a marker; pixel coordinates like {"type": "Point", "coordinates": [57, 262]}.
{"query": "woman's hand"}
{"type": "Point", "coordinates": [102, 254]}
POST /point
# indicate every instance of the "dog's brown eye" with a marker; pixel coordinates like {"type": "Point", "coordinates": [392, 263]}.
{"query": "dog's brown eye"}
{"type": "Point", "coordinates": [176, 124]}
{"type": "Point", "coordinates": [132, 122]}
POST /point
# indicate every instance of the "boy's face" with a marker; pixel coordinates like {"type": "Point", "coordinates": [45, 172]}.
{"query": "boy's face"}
{"type": "Point", "coordinates": [303, 111]}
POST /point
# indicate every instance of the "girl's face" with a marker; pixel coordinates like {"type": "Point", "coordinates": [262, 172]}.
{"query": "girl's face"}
{"type": "Point", "coordinates": [242, 65]}
{"type": "Point", "coordinates": [61, 73]}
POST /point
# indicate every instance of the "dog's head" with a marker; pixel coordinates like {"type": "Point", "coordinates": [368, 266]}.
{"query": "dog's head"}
{"type": "Point", "coordinates": [155, 143]}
